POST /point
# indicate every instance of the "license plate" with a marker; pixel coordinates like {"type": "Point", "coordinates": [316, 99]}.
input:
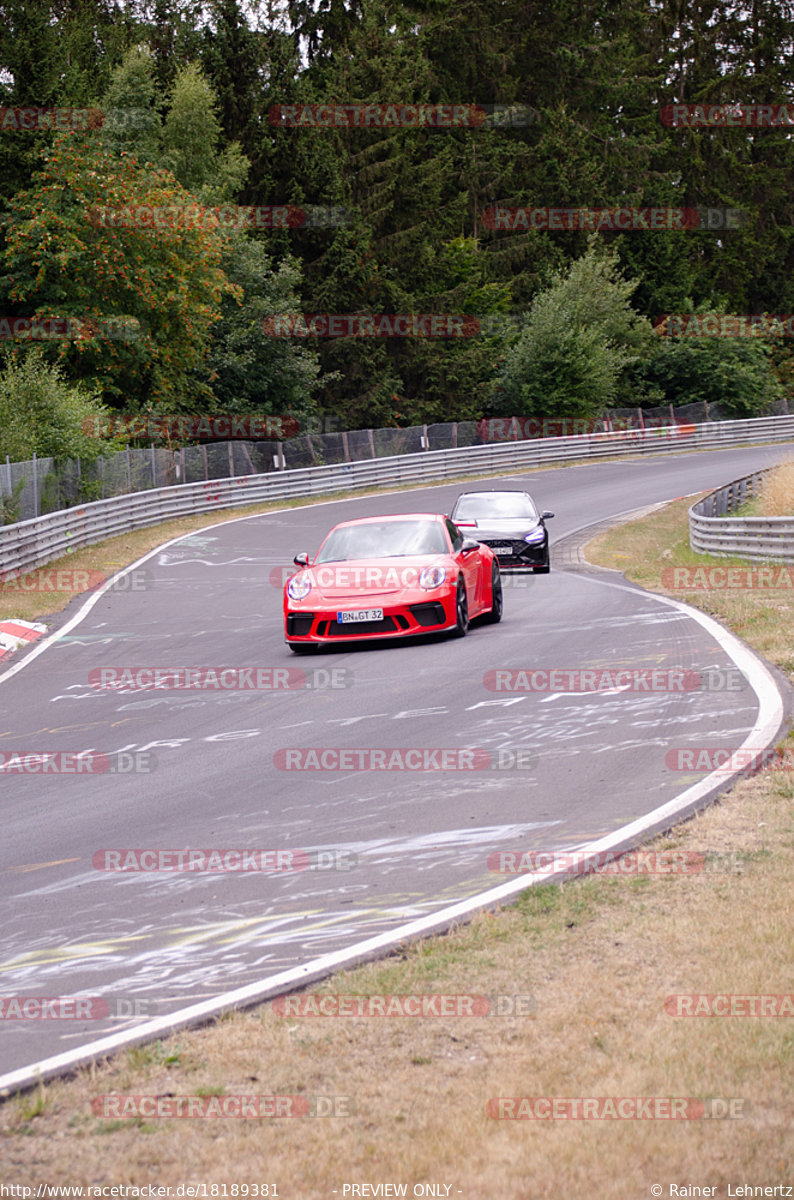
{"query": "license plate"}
{"type": "Point", "coordinates": [362, 614]}
{"type": "Point", "coordinates": [503, 548]}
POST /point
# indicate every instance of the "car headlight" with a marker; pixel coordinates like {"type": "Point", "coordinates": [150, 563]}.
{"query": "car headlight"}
{"type": "Point", "coordinates": [537, 535]}
{"type": "Point", "coordinates": [298, 587]}
{"type": "Point", "coordinates": [432, 577]}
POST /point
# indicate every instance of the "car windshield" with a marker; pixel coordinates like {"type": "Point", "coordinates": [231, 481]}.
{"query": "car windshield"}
{"type": "Point", "coordinates": [383, 539]}
{"type": "Point", "coordinates": [479, 506]}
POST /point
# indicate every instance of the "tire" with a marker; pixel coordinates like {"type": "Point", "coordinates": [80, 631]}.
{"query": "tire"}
{"type": "Point", "coordinates": [300, 648]}
{"type": "Point", "coordinates": [543, 570]}
{"type": "Point", "coordinates": [494, 616]}
{"type": "Point", "coordinates": [461, 611]}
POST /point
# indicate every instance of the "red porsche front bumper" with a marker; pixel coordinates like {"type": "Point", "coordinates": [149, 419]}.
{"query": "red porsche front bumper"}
{"type": "Point", "coordinates": [403, 618]}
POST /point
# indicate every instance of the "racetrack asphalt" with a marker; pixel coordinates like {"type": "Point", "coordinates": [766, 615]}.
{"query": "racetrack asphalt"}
{"type": "Point", "coordinates": [392, 845]}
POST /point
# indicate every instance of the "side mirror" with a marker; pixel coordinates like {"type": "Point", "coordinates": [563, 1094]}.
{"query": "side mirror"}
{"type": "Point", "coordinates": [469, 544]}
{"type": "Point", "coordinates": [546, 514]}
{"type": "Point", "coordinates": [301, 560]}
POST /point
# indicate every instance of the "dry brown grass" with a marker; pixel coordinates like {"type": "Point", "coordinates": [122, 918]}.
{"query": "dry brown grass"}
{"type": "Point", "coordinates": [598, 956]}
{"type": "Point", "coordinates": [777, 492]}
{"type": "Point", "coordinates": [642, 549]}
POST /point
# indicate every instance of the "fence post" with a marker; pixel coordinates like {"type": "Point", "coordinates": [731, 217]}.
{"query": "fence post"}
{"type": "Point", "coordinates": [454, 435]}
{"type": "Point", "coordinates": [35, 487]}
{"type": "Point", "coordinates": [230, 450]}
{"type": "Point", "coordinates": [8, 473]}
{"type": "Point", "coordinates": [102, 476]}
{"type": "Point", "coordinates": [641, 418]}
{"type": "Point", "coordinates": [129, 468]}
{"type": "Point", "coordinates": [154, 466]}
{"type": "Point", "coordinates": [345, 446]}
{"type": "Point", "coordinates": [371, 442]}
{"type": "Point", "coordinates": [205, 462]}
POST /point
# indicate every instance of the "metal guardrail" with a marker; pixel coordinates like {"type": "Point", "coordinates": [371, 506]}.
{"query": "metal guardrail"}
{"type": "Point", "coordinates": [39, 540]}
{"type": "Point", "coordinates": [711, 531]}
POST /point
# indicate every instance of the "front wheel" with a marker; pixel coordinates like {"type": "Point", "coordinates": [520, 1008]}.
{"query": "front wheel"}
{"type": "Point", "coordinates": [461, 611]}
{"type": "Point", "coordinates": [497, 598]}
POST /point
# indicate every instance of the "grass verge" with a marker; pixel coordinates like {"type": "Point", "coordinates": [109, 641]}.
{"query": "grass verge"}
{"type": "Point", "coordinates": [597, 958]}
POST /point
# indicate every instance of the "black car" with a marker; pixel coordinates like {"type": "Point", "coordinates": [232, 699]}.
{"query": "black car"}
{"type": "Point", "coordinates": [510, 524]}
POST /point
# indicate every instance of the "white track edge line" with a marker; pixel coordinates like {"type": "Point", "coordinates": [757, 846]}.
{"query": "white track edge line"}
{"type": "Point", "coordinates": [766, 726]}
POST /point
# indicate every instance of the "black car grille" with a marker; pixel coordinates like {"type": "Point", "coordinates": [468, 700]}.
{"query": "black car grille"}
{"type": "Point", "coordinates": [299, 624]}
{"type": "Point", "coordinates": [356, 628]}
{"type": "Point", "coordinates": [522, 553]}
{"type": "Point", "coordinates": [428, 614]}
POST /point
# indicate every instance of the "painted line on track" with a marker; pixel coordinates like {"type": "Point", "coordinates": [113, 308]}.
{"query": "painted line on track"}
{"type": "Point", "coordinates": [766, 727]}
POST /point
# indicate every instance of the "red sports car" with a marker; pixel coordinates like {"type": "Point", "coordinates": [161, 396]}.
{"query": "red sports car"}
{"type": "Point", "coordinates": [389, 577]}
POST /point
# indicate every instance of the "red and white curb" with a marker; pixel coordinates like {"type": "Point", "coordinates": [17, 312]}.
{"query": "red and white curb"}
{"type": "Point", "coordinates": [14, 634]}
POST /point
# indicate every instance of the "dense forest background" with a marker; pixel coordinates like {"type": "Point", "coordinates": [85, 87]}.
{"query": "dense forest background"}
{"type": "Point", "coordinates": [187, 88]}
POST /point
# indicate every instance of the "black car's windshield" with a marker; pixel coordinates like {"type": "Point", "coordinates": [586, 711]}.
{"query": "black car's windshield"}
{"type": "Point", "coordinates": [495, 505]}
{"type": "Point", "coordinates": [383, 539]}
